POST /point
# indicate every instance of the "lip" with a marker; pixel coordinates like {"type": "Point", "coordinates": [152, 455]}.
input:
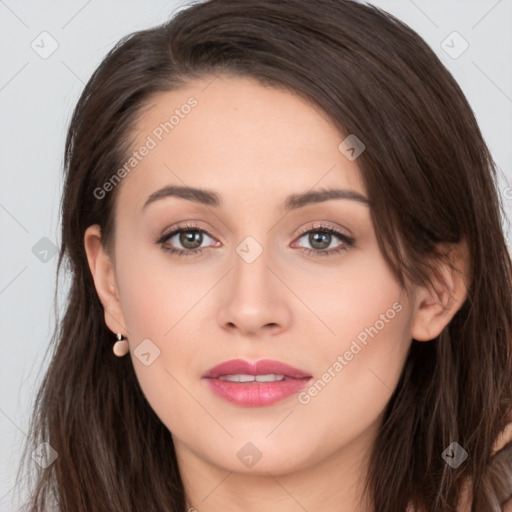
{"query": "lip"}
{"type": "Point", "coordinates": [255, 394]}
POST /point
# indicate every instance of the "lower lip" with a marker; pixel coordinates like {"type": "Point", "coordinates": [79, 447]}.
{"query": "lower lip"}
{"type": "Point", "coordinates": [256, 394]}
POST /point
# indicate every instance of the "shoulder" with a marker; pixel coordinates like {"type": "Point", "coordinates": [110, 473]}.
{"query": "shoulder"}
{"type": "Point", "coordinates": [466, 501]}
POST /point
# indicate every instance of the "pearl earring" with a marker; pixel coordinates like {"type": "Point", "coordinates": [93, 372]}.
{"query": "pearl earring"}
{"type": "Point", "coordinates": [121, 347]}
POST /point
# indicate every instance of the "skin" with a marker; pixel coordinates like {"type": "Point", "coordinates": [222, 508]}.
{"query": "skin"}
{"type": "Point", "coordinates": [254, 146]}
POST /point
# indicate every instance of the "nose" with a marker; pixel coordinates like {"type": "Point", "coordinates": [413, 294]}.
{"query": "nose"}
{"type": "Point", "coordinates": [254, 299]}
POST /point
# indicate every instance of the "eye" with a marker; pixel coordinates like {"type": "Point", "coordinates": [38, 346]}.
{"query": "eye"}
{"type": "Point", "coordinates": [189, 236]}
{"type": "Point", "coordinates": [321, 236]}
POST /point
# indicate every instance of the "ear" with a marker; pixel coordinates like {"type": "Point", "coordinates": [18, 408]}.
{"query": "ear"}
{"type": "Point", "coordinates": [102, 270]}
{"type": "Point", "coordinates": [436, 305]}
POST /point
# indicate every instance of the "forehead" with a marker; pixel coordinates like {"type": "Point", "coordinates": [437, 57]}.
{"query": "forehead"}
{"type": "Point", "coordinates": [237, 136]}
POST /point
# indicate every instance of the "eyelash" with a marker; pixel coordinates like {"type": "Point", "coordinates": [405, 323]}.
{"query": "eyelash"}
{"type": "Point", "coordinates": [347, 241]}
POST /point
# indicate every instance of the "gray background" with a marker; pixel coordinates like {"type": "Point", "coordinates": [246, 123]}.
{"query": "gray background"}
{"type": "Point", "coordinates": [38, 92]}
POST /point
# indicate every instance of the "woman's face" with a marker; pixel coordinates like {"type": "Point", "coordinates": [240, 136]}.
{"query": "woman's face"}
{"type": "Point", "coordinates": [269, 283]}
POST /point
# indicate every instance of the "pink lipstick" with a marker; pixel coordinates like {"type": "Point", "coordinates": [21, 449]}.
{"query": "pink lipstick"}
{"type": "Point", "coordinates": [255, 384]}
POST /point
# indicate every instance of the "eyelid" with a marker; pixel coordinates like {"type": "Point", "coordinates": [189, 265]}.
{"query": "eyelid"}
{"type": "Point", "coordinates": [319, 225]}
{"type": "Point", "coordinates": [190, 225]}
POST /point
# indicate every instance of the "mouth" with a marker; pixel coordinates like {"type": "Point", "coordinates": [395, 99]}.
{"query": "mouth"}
{"type": "Point", "coordinates": [255, 384]}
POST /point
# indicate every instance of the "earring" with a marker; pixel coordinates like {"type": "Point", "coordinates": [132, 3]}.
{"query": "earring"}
{"type": "Point", "coordinates": [120, 346]}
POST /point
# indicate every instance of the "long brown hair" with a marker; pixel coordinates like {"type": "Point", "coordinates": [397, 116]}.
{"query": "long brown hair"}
{"type": "Point", "coordinates": [430, 178]}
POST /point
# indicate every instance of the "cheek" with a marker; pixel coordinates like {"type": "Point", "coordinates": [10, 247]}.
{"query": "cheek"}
{"type": "Point", "coordinates": [155, 292]}
{"type": "Point", "coordinates": [161, 304]}
{"type": "Point", "coordinates": [356, 376]}
{"type": "Point", "coordinates": [358, 295]}
{"type": "Point", "coordinates": [159, 313]}
{"type": "Point", "coordinates": [360, 365]}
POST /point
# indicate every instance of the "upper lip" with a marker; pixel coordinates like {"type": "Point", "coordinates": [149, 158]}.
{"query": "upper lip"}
{"type": "Point", "coordinates": [261, 367]}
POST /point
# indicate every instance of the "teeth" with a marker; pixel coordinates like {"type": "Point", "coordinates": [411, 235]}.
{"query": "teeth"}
{"type": "Point", "coordinates": [271, 377]}
{"type": "Point", "coordinates": [251, 378]}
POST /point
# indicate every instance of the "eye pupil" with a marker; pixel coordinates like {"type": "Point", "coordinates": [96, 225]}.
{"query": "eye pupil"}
{"type": "Point", "coordinates": [187, 237]}
{"type": "Point", "coordinates": [318, 237]}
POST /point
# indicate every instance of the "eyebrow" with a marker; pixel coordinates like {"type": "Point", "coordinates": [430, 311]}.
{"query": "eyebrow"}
{"type": "Point", "coordinates": [292, 202]}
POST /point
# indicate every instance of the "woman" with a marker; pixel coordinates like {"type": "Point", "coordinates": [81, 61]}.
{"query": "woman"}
{"type": "Point", "coordinates": [285, 212]}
